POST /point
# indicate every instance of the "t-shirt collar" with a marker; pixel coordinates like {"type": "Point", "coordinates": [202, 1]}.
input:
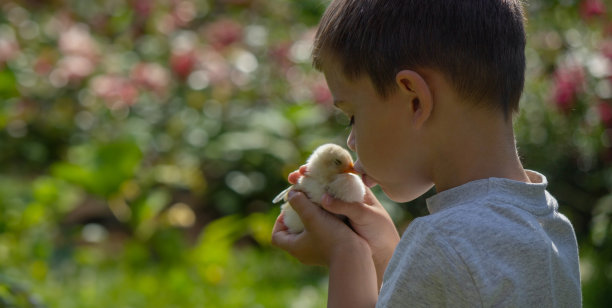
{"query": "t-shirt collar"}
{"type": "Point", "coordinates": [531, 197]}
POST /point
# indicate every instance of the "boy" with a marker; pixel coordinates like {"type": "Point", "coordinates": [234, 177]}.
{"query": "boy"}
{"type": "Point", "coordinates": [430, 87]}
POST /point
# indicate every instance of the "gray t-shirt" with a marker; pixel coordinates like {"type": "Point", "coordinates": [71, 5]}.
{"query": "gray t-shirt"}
{"type": "Point", "coordinates": [488, 243]}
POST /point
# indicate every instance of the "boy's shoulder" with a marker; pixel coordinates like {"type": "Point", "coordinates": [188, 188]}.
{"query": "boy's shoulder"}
{"type": "Point", "coordinates": [488, 241]}
{"type": "Point", "coordinates": [495, 211]}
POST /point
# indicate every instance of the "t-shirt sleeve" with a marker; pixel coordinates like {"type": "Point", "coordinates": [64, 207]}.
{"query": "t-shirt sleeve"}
{"type": "Point", "coordinates": [427, 272]}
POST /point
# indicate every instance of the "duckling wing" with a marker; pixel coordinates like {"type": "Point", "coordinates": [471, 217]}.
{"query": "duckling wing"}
{"type": "Point", "coordinates": [282, 196]}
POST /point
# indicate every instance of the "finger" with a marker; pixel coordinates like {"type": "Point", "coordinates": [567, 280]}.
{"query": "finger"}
{"type": "Point", "coordinates": [279, 225]}
{"type": "Point", "coordinates": [283, 240]}
{"type": "Point", "coordinates": [355, 211]}
{"type": "Point", "coordinates": [370, 198]}
{"type": "Point", "coordinates": [305, 208]}
{"type": "Point", "coordinates": [294, 177]}
{"type": "Point", "coordinates": [280, 234]}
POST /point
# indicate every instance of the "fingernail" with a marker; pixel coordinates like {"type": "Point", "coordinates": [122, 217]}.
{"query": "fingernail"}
{"type": "Point", "coordinates": [291, 194]}
{"type": "Point", "coordinates": [326, 199]}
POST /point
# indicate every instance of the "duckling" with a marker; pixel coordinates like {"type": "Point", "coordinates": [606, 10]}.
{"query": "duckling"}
{"type": "Point", "coordinates": [329, 170]}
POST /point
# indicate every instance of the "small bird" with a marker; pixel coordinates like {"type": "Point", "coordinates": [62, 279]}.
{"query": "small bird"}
{"type": "Point", "coordinates": [329, 170]}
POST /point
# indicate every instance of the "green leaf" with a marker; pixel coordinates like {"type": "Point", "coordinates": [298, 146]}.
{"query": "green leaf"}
{"type": "Point", "coordinates": [8, 84]}
{"type": "Point", "coordinates": [103, 173]}
{"type": "Point", "coordinates": [217, 238]}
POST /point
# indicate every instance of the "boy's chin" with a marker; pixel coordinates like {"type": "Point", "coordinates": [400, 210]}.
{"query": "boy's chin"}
{"type": "Point", "coordinates": [407, 193]}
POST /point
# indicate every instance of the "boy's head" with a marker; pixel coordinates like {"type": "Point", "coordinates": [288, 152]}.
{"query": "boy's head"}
{"type": "Point", "coordinates": [409, 72]}
{"type": "Point", "coordinates": [477, 45]}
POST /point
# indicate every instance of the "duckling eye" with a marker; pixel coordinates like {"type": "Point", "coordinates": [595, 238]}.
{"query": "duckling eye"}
{"type": "Point", "coordinates": [337, 162]}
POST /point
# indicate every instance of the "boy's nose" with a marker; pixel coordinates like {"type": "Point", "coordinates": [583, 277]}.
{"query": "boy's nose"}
{"type": "Point", "coordinates": [350, 142]}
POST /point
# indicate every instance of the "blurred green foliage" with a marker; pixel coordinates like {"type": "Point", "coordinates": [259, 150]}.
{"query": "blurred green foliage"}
{"type": "Point", "coordinates": [142, 141]}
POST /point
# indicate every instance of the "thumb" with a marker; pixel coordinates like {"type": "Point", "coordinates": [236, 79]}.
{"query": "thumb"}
{"type": "Point", "coordinates": [370, 199]}
{"type": "Point", "coordinates": [280, 236]}
{"type": "Point", "coordinates": [305, 208]}
{"type": "Point", "coordinates": [355, 211]}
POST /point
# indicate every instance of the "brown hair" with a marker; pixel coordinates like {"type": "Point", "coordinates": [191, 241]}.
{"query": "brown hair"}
{"type": "Point", "coordinates": [479, 45]}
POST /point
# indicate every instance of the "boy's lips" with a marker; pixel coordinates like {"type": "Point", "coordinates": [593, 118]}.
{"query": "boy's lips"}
{"type": "Point", "coordinates": [367, 181]}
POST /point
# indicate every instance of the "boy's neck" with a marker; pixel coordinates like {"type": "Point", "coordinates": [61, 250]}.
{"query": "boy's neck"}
{"type": "Point", "coordinates": [480, 144]}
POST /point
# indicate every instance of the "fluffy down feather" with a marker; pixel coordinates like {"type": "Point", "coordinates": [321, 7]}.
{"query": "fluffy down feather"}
{"type": "Point", "coordinates": [329, 170]}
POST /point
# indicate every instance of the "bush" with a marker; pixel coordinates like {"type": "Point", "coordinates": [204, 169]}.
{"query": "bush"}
{"type": "Point", "coordinates": [142, 141]}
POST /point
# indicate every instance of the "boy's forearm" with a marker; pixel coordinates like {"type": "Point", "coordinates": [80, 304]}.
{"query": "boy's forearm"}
{"type": "Point", "coordinates": [352, 278]}
{"type": "Point", "coordinates": [380, 264]}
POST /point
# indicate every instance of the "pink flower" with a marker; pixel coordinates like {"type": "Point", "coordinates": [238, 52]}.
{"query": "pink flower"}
{"type": "Point", "coordinates": [564, 96]}
{"type": "Point", "coordinates": [9, 47]}
{"type": "Point", "coordinates": [183, 12]}
{"type": "Point", "coordinates": [223, 33]}
{"type": "Point", "coordinates": [320, 93]}
{"type": "Point", "coordinates": [151, 76]}
{"type": "Point", "coordinates": [116, 91]}
{"type": "Point", "coordinates": [605, 113]}
{"type": "Point", "coordinates": [43, 64]}
{"type": "Point", "coordinates": [80, 53]}
{"type": "Point", "coordinates": [75, 67]}
{"type": "Point", "coordinates": [143, 8]}
{"type": "Point", "coordinates": [78, 41]}
{"type": "Point", "coordinates": [568, 81]}
{"type": "Point", "coordinates": [280, 54]}
{"type": "Point", "coordinates": [592, 8]}
{"type": "Point", "coordinates": [216, 66]}
{"type": "Point", "coordinates": [165, 24]}
{"type": "Point", "coordinates": [183, 63]}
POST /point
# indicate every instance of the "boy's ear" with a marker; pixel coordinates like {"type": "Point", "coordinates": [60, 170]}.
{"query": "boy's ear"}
{"type": "Point", "coordinates": [416, 90]}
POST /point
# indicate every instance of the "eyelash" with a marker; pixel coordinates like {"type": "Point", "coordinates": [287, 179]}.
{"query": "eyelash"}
{"type": "Point", "coordinates": [352, 121]}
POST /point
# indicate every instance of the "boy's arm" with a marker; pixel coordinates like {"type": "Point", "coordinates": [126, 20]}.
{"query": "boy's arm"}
{"type": "Point", "coordinates": [352, 278]}
{"type": "Point", "coordinates": [327, 241]}
{"type": "Point", "coordinates": [372, 222]}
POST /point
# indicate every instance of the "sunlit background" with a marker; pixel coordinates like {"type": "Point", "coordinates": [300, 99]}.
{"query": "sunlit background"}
{"type": "Point", "coordinates": [142, 141]}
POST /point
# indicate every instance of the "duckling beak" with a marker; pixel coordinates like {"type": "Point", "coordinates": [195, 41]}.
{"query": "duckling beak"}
{"type": "Point", "coordinates": [350, 169]}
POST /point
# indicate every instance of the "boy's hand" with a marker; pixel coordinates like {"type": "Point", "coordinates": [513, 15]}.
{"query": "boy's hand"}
{"type": "Point", "coordinates": [325, 238]}
{"type": "Point", "coordinates": [369, 219]}
{"type": "Point", "coordinates": [328, 241]}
